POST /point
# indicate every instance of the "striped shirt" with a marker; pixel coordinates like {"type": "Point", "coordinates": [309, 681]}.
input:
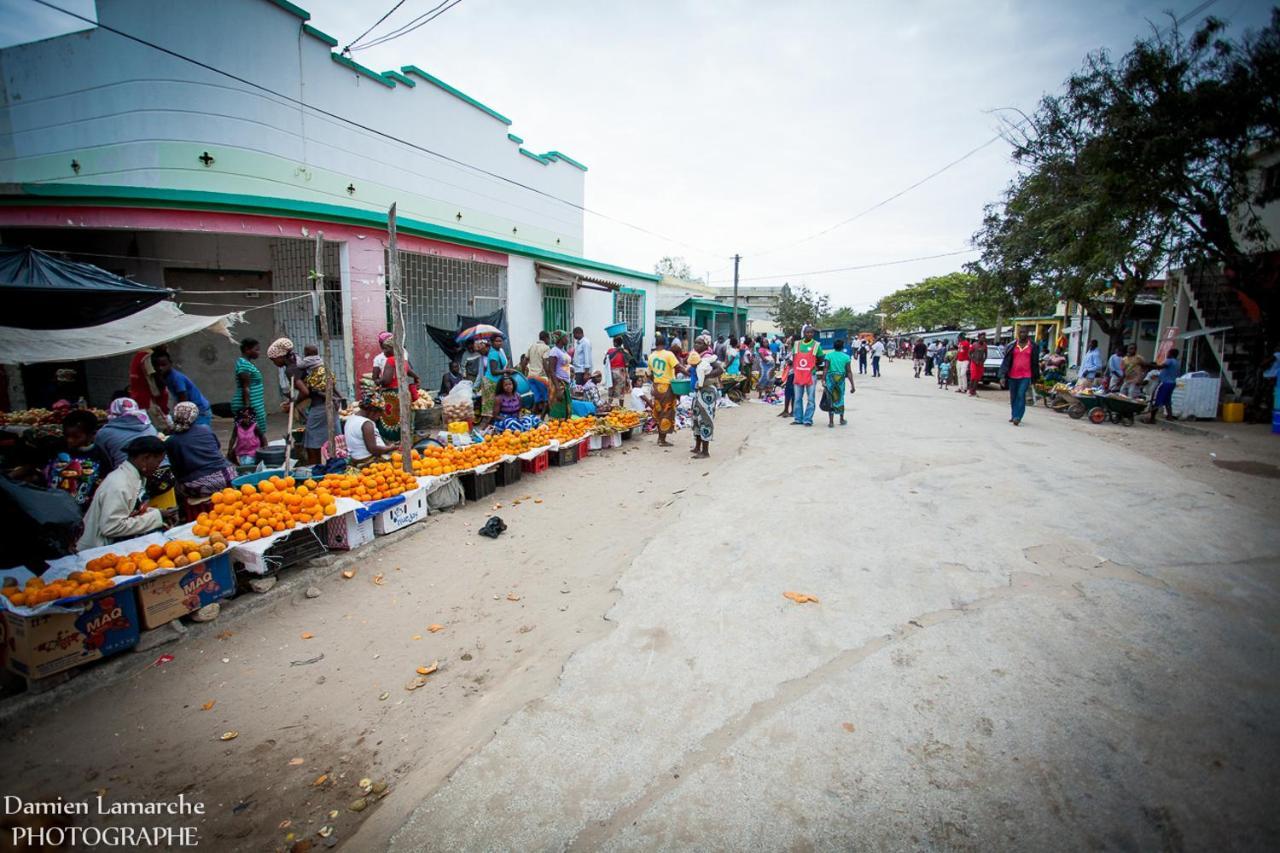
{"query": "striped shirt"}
{"type": "Point", "coordinates": [245, 367]}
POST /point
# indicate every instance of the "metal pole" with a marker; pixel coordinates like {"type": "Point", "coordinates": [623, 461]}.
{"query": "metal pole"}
{"type": "Point", "coordinates": [397, 337]}
{"type": "Point", "coordinates": [737, 333]}
{"type": "Point", "coordinates": [317, 276]}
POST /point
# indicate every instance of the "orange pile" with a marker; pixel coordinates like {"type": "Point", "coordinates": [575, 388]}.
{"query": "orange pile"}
{"type": "Point", "coordinates": [253, 512]}
{"type": "Point", "coordinates": [569, 430]}
{"type": "Point", "coordinates": [371, 483]}
{"type": "Point", "coordinates": [98, 572]}
{"type": "Point", "coordinates": [622, 419]}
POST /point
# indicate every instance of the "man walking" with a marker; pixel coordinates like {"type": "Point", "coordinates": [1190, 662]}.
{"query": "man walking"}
{"type": "Point", "coordinates": [582, 364]}
{"type": "Point", "coordinates": [862, 355]}
{"type": "Point", "coordinates": [804, 363]}
{"type": "Point", "coordinates": [977, 362]}
{"type": "Point", "coordinates": [1020, 367]}
{"type": "Point", "coordinates": [877, 352]}
{"type": "Point", "coordinates": [918, 355]}
{"type": "Point", "coordinates": [962, 363]}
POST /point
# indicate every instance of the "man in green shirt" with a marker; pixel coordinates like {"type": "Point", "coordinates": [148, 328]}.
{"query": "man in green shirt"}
{"type": "Point", "coordinates": [836, 364]}
{"type": "Point", "coordinates": [804, 364]}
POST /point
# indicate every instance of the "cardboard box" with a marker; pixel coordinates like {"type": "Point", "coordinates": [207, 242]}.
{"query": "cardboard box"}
{"type": "Point", "coordinates": [39, 646]}
{"type": "Point", "coordinates": [177, 593]}
{"type": "Point", "coordinates": [345, 533]}
{"type": "Point", "coordinates": [413, 510]}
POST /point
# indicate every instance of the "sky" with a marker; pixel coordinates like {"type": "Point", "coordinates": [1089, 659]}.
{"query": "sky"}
{"type": "Point", "coordinates": [729, 126]}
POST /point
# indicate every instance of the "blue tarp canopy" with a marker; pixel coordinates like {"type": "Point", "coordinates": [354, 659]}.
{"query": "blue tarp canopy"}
{"type": "Point", "coordinates": [41, 291]}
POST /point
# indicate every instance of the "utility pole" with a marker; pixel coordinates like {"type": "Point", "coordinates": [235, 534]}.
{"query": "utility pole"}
{"type": "Point", "coordinates": [317, 276]}
{"type": "Point", "coordinates": [397, 337]}
{"type": "Point", "coordinates": [737, 333]}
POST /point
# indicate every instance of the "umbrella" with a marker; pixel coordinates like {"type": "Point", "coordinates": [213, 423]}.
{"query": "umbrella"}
{"type": "Point", "coordinates": [482, 330]}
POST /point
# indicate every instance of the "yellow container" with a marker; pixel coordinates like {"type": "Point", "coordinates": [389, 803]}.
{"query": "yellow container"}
{"type": "Point", "coordinates": [1233, 413]}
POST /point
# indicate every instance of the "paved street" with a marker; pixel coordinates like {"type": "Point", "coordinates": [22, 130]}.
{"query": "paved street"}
{"type": "Point", "coordinates": [1056, 636]}
{"type": "Point", "coordinates": [1027, 639]}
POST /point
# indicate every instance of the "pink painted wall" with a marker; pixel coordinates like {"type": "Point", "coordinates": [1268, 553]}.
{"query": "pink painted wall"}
{"type": "Point", "coordinates": [364, 248]}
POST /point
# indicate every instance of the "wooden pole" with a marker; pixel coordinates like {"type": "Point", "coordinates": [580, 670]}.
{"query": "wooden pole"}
{"type": "Point", "coordinates": [317, 275]}
{"type": "Point", "coordinates": [397, 337]}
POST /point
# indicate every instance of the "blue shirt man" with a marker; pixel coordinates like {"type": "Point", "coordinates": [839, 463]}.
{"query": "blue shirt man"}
{"type": "Point", "coordinates": [184, 389]}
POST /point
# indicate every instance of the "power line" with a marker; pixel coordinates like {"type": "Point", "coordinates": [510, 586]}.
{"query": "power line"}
{"type": "Point", "coordinates": [375, 25]}
{"type": "Point", "coordinates": [883, 202]}
{"type": "Point", "coordinates": [367, 128]}
{"type": "Point", "coordinates": [412, 25]}
{"type": "Point", "coordinates": [860, 266]}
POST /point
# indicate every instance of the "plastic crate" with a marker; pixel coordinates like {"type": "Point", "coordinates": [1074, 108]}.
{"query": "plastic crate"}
{"type": "Point", "coordinates": [508, 472]}
{"type": "Point", "coordinates": [584, 449]}
{"type": "Point", "coordinates": [537, 464]}
{"type": "Point", "coordinates": [563, 456]}
{"type": "Point", "coordinates": [628, 434]}
{"type": "Point", "coordinates": [476, 486]}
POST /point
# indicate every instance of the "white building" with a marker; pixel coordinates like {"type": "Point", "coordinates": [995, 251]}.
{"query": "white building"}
{"type": "Point", "coordinates": [214, 182]}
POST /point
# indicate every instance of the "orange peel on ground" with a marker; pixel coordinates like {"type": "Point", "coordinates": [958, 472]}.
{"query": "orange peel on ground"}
{"type": "Point", "coordinates": [800, 597]}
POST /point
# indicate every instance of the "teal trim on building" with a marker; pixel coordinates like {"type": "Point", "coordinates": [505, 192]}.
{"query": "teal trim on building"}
{"type": "Point", "coordinates": [399, 78]}
{"type": "Point", "coordinates": [543, 160]}
{"type": "Point", "coordinates": [360, 69]}
{"type": "Point", "coordinates": [292, 9]}
{"type": "Point", "coordinates": [320, 34]}
{"type": "Point", "coordinates": [556, 155]}
{"type": "Point", "coordinates": [413, 69]}
{"type": "Point", "coordinates": [67, 193]}
{"type": "Point", "coordinates": [517, 140]}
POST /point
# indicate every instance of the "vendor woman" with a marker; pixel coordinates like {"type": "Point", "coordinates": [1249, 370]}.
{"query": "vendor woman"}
{"type": "Point", "coordinates": [362, 435]}
{"type": "Point", "coordinates": [308, 379]}
{"type": "Point", "coordinates": [119, 508]}
{"type": "Point", "coordinates": [195, 457]}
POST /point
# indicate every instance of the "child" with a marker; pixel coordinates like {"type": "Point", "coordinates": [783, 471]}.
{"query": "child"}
{"type": "Point", "coordinates": [944, 374]}
{"type": "Point", "coordinates": [246, 439]}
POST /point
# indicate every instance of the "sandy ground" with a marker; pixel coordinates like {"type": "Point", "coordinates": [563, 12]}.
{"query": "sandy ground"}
{"type": "Point", "coordinates": [1056, 636]}
{"type": "Point", "coordinates": [147, 737]}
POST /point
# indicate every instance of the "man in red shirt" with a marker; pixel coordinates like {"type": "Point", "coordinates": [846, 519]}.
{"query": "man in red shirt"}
{"type": "Point", "coordinates": [1020, 367]}
{"type": "Point", "coordinates": [977, 363]}
{"type": "Point", "coordinates": [962, 363]}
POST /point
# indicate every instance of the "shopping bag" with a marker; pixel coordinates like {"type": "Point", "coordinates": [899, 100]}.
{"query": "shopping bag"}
{"type": "Point", "coordinates": [824, 403]}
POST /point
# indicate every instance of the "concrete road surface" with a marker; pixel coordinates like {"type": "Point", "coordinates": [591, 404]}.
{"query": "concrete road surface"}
{"type": "Point", "coordinates": [1057, 636]}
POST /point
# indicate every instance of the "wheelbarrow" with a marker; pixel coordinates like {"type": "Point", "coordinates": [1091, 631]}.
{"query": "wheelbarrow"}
{"type": "Point", "coordinates": [1122, 410]}
{"type": "Point", "coordinates": [1078, 405]}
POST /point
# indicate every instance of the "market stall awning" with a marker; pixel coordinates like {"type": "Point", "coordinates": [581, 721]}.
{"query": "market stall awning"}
{"type": "Point", "coordinates": [548, 274]}
{"type": "Point", "coordinates": [41, 291]}
{"type": "Point", "coordinates": [158, 324]}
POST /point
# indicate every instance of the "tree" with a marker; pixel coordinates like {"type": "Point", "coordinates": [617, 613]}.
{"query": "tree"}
{"type": "Point", "coordinates": [798, 306]}
{"type": "Point", "coordinates": [950, 301]}
{"type": "Point", "coordinates": [1165, 140]}
{"type": "Point", "coordinates": [675, 267]}
{"type": "Point", "coordinates": [853, 321]}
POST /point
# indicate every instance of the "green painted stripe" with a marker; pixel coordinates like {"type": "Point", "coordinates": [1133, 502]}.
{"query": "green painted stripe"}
{"type": "Point", "coordinates": [292, 9]}
{"type": "Point", "coordinates": [320, 34]}
{"type": "Point", "coordinates": [543, 160]}
{"type": "Point", "coordinates": [399, 78]}
{"type": "Point", "coordinates": [517, 140]}
{"type": "Point", "coordinates": [360, 69]}
{"type": "Point", "coordinates": [260, 206]}
{"type": "Point", "coordinates": [413, 69]}
{"type": "Point", "coordinates": [556, 155]}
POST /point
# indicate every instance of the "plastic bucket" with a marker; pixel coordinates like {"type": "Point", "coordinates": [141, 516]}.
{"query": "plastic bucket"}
{"type": "Point", "coordinates": [615, 329]}
{"type": "Point", "coordinates": [1233, 413]}
{"type": "Point", "coordinates": [680, 387]}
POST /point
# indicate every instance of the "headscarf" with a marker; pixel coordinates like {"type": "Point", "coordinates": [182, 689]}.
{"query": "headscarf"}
{"type": "Point", "coordinates": [370, 400]}
{"type": "Point", "coordinates": [184, 415]}
{"type": "Point", "coordinates": [383, 337]}
{"type": "Point", "coordinates": [124, 406]}
{"type": "Point", "coordinates": [279, 348]}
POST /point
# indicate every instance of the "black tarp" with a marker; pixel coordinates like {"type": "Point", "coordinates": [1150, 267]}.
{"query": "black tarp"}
{"type": "Point", "coordinates": [41, 291]}
{"type": "Point", "coordinates": [446, 339]}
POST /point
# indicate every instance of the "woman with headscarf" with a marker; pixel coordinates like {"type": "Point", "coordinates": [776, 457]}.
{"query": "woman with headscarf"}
{"type": "Point", "coordinates": [146, 387]}
{"type": "Point", "coordinates": [496, 367]}
{"type": "Point", "coordinates": [307, 381]}
{"type": "Point", "coordinates": [707, 371]}
{"type": "Point", "coordinates": [361, 434]}
{"type": "Point", "coordinates": [385, 377]}
{"type": "Point", "coordinates": [125, 422]}
{"type": "Point", "coordinates": [196, 459]}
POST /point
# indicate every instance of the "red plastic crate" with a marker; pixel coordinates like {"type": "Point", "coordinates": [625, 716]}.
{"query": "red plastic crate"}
{"type": "Point", "coordinates": [584, 449]}
{"type": "Point", "coordinates": [536, 465]}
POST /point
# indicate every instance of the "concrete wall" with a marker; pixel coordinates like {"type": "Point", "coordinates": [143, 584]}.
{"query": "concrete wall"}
{"type": "Point", "coordinates": [144, 118]}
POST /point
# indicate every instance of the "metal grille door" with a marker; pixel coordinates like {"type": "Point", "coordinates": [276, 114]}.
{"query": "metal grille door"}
{"type": "Point", "coordinates": [557, 307]}
{"type": "Point", "coordinates": [628, 307]}
{"type": "Point", "coordinates": [436, 291]}
{"type": "Point", "coordinates": [297, 318]}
